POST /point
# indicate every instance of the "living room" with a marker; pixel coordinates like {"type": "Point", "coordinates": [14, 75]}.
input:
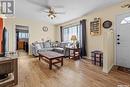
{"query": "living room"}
{"type": "Point", "coordinates": [69, 25]}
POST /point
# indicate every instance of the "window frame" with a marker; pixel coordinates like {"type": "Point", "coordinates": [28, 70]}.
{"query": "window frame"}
{"type": "Point", "coordinates": [67, 28]}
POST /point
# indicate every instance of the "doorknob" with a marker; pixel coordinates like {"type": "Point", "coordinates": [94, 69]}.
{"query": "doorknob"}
{"type": "Point", "coordinates": [118, 39]}
{"type": "Point", "coordinates": [118, 35]}
{"type": "Point", "coordinates": [118, 42]}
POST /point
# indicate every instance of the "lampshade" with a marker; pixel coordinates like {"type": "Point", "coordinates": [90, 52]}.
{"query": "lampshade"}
{"type": "Point", "coordinates": [73, 38]}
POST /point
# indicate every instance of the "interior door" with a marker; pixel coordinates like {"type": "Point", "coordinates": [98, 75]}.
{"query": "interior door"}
{"type": "Point", "coordinates": [123, 40]}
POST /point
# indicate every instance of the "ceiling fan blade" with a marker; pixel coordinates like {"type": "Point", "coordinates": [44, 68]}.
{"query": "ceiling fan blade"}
{"type": "Point", "coordinates": [34, 2]}
{"type": "Point", "coordinates": [59, 12]}
{"type": "Point", "coordinates": [126, 5]}
{"type": "Point", "coordinates": [57, 6]}
{"type": "Point", "coordinates": [40, 4]}
{"type": "Point", "coordinates": [46, 6]}
{"type": "Point", "coordinates": [45, 11]}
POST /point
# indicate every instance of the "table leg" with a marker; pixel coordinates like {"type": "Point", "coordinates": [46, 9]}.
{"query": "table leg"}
{"type": "Point", "coordinates": [100, 60]}
{"type": "Point", "coordinates": [50, 64]}
{"type": "Point", "coordinates": [62, 61]}
{"type": "Point", "coordinates": [79, 53]}
{"type": "Point", "coordinates": [69, 53]}
{"type": "Point", "coordinates": [39, 57]}
{"type": "Point", "coordinates": [74, 54]}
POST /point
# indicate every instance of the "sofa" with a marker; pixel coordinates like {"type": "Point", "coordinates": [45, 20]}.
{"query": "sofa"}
{"type": "Point", "coordinates": [49, 46]}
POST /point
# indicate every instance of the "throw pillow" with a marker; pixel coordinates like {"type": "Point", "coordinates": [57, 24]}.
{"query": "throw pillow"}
{"type": "Point", "coordinates": [62, 45]}
{"type": "Point", "coordinates": [47, 44]}
{"type": "Point", "coordinates": [38, 46]}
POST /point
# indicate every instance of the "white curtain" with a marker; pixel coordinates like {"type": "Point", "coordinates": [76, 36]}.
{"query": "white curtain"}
{"type": "Point", "coordinates": [69, 31]}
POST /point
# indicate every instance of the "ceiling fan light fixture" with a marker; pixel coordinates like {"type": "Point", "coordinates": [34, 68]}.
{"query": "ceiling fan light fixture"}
{"type": "Point", "coordinates": [52, 16]}
{"type": "Point", "coordinates": [126, 5]}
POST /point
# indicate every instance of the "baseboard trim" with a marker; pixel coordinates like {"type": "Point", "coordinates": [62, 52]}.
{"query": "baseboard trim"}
{"type": "Point", "coordinates": [110, 68]}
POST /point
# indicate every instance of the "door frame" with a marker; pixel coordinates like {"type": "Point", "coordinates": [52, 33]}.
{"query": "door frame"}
{"type": "Point", "coordinates": [28, 37]}
{"type": "Point", "coordinates": [115, 37]}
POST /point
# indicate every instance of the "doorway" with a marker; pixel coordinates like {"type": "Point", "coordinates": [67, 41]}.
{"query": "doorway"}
{"type": "Point", "coordinates": [22, 38]}
{"type": "Point", "coordinates": [123, 40]}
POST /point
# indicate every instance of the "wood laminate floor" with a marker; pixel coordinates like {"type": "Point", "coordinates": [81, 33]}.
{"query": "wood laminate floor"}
{"type": "Point", "coordinates": [81, 73]}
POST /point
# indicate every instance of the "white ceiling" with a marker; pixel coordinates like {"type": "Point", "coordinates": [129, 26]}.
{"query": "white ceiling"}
{"type": "Point", "coordinates": [72, 8]}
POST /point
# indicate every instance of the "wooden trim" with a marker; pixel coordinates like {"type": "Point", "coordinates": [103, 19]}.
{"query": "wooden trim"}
{"type": "Point", "coordinates": [14, 71]}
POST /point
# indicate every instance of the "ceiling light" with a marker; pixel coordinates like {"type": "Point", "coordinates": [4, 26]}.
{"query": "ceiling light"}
{"type": "Point", "coordinates": [52, 16]}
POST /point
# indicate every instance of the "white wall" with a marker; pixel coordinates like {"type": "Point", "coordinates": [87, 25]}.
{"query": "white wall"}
{"type": "Point", "coordinates": [104, 42]}
{"type": "Point", "coordinates": [35, 31]}
{"type": "Point", "coordinates": [108, 50]}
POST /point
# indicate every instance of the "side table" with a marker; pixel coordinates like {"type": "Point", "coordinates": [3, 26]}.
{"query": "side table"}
{"type": "Point", "coordinates": [75, 54]}
{"type": "Point", "coordinates": [97, 58]}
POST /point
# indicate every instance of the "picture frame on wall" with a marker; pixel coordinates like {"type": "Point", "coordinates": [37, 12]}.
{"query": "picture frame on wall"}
{"type": "Point", "coordinates": [95, 27]}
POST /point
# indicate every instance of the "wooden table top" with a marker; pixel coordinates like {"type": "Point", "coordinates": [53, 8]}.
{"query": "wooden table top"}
{"type": "Point", "coordinates": [51, 54]}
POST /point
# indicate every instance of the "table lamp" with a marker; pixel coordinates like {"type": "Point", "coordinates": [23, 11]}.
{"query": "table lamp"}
{"type": "Point", "coordinates": [74, 39]}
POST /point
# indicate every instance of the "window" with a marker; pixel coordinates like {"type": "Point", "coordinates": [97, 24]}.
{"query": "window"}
{"type": "Point", "coordinates": [67, 32]}
{"type": "Point", "coordinates": [125, 20]}
{"type": "Point", "coordinates": [23, 35]}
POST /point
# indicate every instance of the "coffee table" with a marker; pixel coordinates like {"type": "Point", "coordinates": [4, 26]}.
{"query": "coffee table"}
{"type": "Point", "coordinates": [51, 58]}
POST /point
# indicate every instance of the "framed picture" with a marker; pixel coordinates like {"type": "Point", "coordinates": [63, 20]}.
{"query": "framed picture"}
{"type": "Point", "coordinates": [95, 27]}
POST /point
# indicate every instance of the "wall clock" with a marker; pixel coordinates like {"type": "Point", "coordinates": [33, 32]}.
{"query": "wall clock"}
{"type": "Point", "coordinates": [45, 28]}
{"type": "Point", "coordinates": [107, 24]}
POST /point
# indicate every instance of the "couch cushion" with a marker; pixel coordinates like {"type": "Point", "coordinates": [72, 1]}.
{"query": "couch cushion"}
{"type": "Point", "coordinates": [34, 43]}
{"type": "Point", "coordinates": [38, 46]}
{"type": "Point", "coordinates": [62, 45]}
{"type": "Point", "coordinates": [46, 49]}
{"type": "Point", "coordinates": [59, 49]}
{"type": "Point", "coordinates": [47, 45]}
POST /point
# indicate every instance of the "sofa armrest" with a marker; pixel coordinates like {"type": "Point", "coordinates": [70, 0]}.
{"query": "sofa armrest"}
{"type": "Point", "coordinates": [66, 52]}
{"type": "Point", "coordinates": [35, 50]}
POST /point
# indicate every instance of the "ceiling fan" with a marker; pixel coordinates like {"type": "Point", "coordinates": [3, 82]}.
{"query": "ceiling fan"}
{"type": "Point", "coordinates": [51, 12]}
{"type": "Point", "coordinates": [126, 5]}
{"type": "Point", "coordinates": [46, 8]}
